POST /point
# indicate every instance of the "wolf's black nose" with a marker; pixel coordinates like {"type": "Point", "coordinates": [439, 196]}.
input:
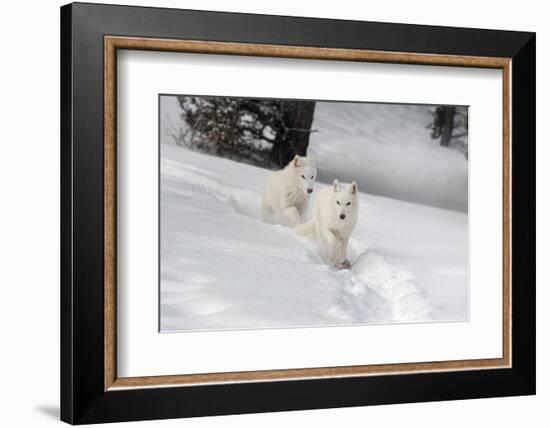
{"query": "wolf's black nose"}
{"type": "Point", "coordinates": [342, 216]}
{"type": "Point", "coordinates": [309, 190]}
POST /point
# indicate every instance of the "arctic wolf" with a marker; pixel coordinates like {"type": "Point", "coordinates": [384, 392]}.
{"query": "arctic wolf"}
{"type": "Point", "coordinates": [334, 218]}
{"type": "Point", "coordinates": [287, 192]}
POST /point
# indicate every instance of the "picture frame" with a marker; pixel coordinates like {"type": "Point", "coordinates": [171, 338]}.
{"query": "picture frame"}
{"type": "Point", "coordinates": [91, 390]}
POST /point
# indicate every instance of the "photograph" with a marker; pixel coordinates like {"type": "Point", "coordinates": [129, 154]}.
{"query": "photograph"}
{"type": "Point", "coordinates": [287, 213]}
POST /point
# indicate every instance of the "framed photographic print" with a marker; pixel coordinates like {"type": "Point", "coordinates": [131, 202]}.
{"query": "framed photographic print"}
{"type": "Point", "coordinates": [265, 213]}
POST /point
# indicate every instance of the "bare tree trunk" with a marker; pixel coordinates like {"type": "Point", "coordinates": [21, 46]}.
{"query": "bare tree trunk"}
{"type": "Point", "coordinates": [448, 124]}
{"type": "Point", "coordinates": [297, 117]}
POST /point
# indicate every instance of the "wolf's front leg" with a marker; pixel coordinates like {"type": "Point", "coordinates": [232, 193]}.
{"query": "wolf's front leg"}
{"type": "Point", "coordinates": [339, 253]}
{"type": "Point", "coordinates": [292, 216]}
{"type": "Point", "coordinates": [338, 258]}
{"type": "Point", "coordinates": [343, 254]}
{"type": "Point", "coordinates": [331, 247]}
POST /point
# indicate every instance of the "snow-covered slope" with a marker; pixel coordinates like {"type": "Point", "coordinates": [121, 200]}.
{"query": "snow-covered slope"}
{"type": "Point", "coordinates": [388, 150]}
{"type": "Point", "coordinates": [222, 268]}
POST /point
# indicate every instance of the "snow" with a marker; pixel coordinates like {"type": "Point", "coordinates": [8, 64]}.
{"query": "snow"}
{"type": "Point", "coordinates": [170, 117]}
{"type": "Point", "coordinates": [387, 149]}
{"type": "Point", "coordinates": [223, 268]}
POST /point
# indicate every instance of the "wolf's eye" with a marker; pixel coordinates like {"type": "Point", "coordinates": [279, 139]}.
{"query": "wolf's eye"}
{"type": "Point", "coordinates": [303, 176]}
{"type": "Point", "coordinates": [312, 176]}
{"type": "Point", "coordinates": [349, 203]}
{"type": "Point", "coordinates": [338, 202]}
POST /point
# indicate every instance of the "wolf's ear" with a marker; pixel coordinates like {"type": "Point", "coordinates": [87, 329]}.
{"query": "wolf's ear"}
{"type": "Point", "coordinates": [353, 188]}
{"type": "Point", "coordinates": [336, 185]}
{"type": "Point", "coordinates": [312, 160]}
{"type": "Point", "coordinates": [296, 161]}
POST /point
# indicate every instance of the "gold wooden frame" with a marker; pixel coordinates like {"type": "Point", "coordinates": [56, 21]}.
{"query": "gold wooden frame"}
{"type": "Point", "coordinates": [113, 43]}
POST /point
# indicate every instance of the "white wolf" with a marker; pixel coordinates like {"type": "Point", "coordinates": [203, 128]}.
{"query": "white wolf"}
{"type": "Point", "coordinates": [334, 218]}
{"type": "Point", "coordinates": [287, 191]}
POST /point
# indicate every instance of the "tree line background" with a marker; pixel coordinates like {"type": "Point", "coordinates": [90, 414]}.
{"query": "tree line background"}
{"type": "Point", "coordinates": [270, 132]}
{"type": "Point", "coordinates": [449, 125]}
{"type": "Point", "coordinates": [263, 132]}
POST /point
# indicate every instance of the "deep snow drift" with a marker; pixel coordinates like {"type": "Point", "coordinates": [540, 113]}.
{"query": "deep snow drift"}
{"type": "Point", "coordinates": [222, 268]}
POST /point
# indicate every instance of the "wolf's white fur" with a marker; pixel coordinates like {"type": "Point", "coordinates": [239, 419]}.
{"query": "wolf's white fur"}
{"type": "Point", "coordinates": [287, 192]}
{"type": "Point", "coordinates": [328, 227]}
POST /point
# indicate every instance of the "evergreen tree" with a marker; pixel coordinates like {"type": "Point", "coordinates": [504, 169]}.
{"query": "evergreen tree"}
{"type": "Point", "coordinates": [262, 132]}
